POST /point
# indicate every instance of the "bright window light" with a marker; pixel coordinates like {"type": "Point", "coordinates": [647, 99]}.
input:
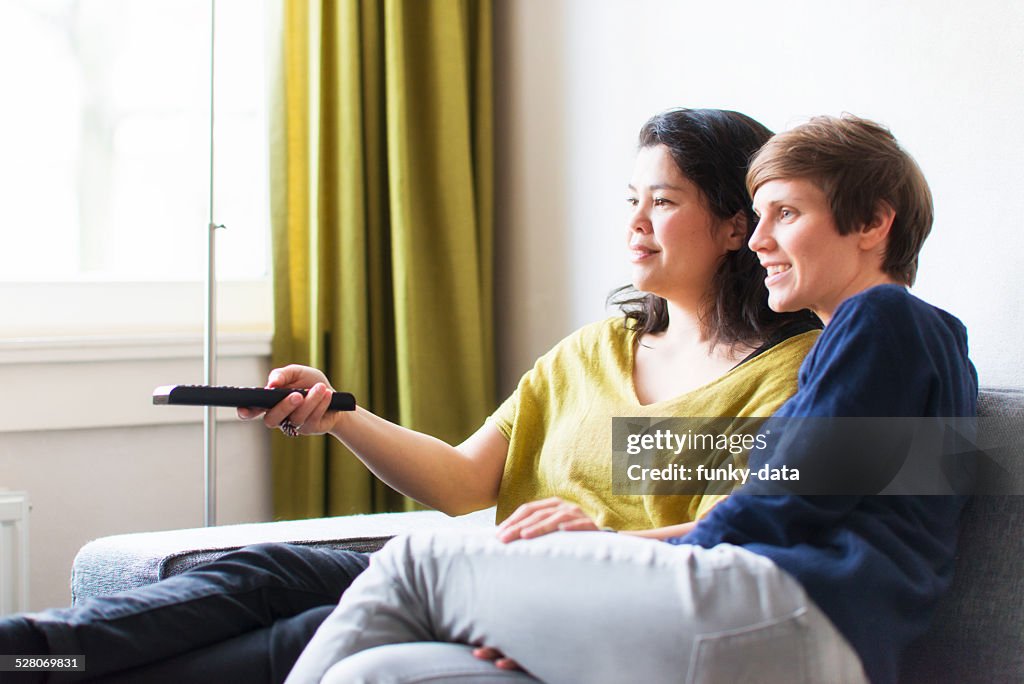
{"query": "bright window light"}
{"type": "Point", "coordinates": [104, 132]}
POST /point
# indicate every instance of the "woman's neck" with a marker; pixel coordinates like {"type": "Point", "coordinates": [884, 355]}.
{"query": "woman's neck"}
{"type": "Point", "coordinates": [681, 358]}
{"type": "Point", "coordinates": [684, 326]}
{"type": "Point", "coordinates": [688, 335]}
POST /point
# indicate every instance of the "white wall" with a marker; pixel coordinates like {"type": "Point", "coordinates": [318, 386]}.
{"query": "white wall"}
{"type": "Point", "coordinates": [577, 78]}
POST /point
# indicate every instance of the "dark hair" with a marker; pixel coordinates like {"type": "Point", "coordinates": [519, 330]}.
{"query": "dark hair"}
{"type": "Point", "coordinates": [712, 148]}
{"type": "Point", "coordinates": [857, 163]}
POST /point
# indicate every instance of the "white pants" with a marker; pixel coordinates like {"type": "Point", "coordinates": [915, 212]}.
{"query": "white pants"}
{"type": "Point", "coordinates": [585, 607]}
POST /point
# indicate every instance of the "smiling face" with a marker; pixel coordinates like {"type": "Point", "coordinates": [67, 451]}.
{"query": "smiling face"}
{"type": "Point", "coordinates": [809, 264]}
{"type": "Point", "coordinates": [675, 242]}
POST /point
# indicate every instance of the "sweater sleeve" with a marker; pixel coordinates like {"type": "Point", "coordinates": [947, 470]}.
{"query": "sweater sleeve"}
{"type": "Point", "coordinates": [858, 369]}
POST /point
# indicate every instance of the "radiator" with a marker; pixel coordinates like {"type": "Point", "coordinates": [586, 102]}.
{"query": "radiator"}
{"type": "Point", "coordinates": [13, 552]}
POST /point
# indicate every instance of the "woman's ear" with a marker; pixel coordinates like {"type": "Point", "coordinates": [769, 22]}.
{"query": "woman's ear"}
{"type": "Point", "coordinates": [734, 231]}
{"type": "Point", "coordinates": [876, 232]}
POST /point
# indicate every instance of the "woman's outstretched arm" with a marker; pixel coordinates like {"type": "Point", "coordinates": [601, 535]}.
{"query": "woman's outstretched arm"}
{"type": "Point", "coordinates": [453, 479]}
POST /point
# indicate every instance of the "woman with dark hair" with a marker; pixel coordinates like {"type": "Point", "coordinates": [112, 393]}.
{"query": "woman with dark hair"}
{"type": "Point", "coordinates": [696, 339]}
{"type": "Point", "coordinates": [694, 316]}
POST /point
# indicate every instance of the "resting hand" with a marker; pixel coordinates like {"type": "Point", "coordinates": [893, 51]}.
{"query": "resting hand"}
{"type": "Point", "coordinates": [538, 518]}
{"type": "Point", "coordinates": [309, 413]}
{"type": "Point", "coordinates": [500, 661]}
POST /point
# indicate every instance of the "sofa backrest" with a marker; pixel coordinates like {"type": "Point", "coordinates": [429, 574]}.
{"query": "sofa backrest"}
{"type": "Point", "coordinates": [977, 634]}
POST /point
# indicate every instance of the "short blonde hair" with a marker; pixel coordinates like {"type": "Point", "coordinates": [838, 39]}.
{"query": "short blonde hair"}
{"type": "Point", "coordinates": [857, 163]}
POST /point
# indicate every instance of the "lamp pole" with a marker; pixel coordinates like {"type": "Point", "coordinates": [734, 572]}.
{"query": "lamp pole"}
{"type": "Point", "coordinates": [210, 319]}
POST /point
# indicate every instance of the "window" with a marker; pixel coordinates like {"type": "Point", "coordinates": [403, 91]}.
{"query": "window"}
{"type": "Point", "coordinates": [104, 176]}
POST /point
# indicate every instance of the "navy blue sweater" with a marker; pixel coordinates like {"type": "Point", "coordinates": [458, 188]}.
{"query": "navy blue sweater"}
{"type": "Point", "coordinates": [876, 565]}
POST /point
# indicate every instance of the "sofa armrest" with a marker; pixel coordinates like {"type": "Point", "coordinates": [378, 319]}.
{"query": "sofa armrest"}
{"type": "Point", "coordinates": [125, 561]}
{"type": "Point", "coordinates": [977, 632]}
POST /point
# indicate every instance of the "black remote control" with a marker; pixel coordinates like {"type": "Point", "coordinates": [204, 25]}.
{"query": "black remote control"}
{"type": "Point", "coordinates": [255, 397]}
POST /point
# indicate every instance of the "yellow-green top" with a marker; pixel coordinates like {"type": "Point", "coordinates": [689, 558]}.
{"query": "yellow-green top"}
{"type": "Point", "coordinates": [559, 428]}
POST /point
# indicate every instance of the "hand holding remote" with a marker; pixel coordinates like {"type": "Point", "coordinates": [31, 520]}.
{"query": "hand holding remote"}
{"type": "Point", "coordinates": [309, 413]}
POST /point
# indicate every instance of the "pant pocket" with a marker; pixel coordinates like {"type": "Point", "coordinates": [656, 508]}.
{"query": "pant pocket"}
{"type": "Point", "coordinates": [765, 653]}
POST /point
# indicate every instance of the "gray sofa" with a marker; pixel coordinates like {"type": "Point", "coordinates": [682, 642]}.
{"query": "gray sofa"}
{"type": "Point", "coordinates": [977, 633]}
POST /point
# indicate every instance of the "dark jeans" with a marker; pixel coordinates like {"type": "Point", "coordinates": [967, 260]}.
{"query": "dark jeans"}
{"type": "Point", "coordinates": [243, 617]}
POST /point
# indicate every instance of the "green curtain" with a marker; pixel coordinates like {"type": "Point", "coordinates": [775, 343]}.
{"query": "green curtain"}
{"type": "Point", "coordinates": [382, 177]}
